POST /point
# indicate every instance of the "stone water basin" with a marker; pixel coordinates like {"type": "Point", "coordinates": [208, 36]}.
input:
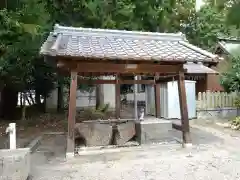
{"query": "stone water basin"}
{"type": "Point", "coordinates": [105, 132]}
{"type": "Point", "coordinates": [15, 164]}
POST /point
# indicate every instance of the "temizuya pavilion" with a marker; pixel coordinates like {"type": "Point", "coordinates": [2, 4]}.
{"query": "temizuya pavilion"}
{"type": "Point", "coordinates": [100, 52]}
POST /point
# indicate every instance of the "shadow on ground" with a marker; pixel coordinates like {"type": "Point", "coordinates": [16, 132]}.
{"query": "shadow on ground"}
{"type": "Point", "coordinates": [199, 137]}
{"type": "Point", "coordinates": [53, 147]}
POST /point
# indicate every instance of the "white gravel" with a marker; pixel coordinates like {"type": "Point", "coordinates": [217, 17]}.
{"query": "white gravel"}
{"type": "Point", "coordinates": [219, 161]}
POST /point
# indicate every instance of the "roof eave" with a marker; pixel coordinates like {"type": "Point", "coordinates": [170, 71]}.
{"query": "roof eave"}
{"type": "Point", "coordinates": [201, 51]}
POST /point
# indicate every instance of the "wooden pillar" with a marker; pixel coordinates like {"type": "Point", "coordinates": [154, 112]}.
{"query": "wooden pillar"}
{"type": "Point", "coordinates": [183, 109]}
{"type": "Point", "coordinates": [118, 98]}
{"type": "Point", "coordinates": [72, 115]}
{"type": "Point", "coordinates": [157, 100]}
{"type": "Point", "coordinates": [135, 91]}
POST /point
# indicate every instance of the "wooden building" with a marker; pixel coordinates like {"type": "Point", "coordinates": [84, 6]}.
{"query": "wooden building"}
{"type": "Point", "coordinates": [225, 48]}
{"type": "Point", "coordinates": [85, 52]}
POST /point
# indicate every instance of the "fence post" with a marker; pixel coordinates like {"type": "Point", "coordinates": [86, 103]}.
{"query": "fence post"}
{"type": "Point", "coordinates": [208, 99]}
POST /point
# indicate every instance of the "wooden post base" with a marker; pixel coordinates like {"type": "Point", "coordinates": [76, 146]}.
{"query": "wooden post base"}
{"type": "Point", "coordinates": [70, 155]}
{"type": "Point", "coordinates": [187, 145]}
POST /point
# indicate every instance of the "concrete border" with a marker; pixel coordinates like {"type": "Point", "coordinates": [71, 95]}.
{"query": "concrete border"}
{"type": "Point", "coordinates": [109, 150]}
{"type": "Point", "coordinates": [33, 145]}
{"type": "Point", "coordinates": [54, 133]}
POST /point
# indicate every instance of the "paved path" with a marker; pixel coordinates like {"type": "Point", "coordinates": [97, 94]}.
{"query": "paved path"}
{"type": "Point", "coordinates": [217, 160]}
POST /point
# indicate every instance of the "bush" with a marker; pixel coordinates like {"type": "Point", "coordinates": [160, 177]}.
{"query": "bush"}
{"type": "Point", "coordinates": [91, 114]}
{"type": "Point", "coordinates": [236, 123]}
{"type": "Point", "coordinates": [104, 108]}
{"type": "Point", "coordinates": [237, 102]}
{"type": "Point", "coordinates": [95, 114]}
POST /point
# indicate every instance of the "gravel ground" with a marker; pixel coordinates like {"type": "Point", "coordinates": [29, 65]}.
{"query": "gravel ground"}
{"type": "Point", "coordinates": [217, 160]}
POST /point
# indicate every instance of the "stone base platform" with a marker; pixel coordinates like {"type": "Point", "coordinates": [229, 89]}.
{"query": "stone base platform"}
{"type": "Point", "coordinates": [105, 132]}
{"type": "Point", "coordinates": [14, 164]}
{"type": "Point", "coordinates": [153, 130]}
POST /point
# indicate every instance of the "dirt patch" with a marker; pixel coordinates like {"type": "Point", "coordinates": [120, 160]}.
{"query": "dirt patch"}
{"type": "Point", "coordinates": [32, 127]}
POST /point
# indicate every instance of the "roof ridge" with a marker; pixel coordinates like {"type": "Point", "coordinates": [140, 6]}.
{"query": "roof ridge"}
{"type": "Point", "coordinates": [231, 38]}
{"type": "Point", "coordinates": [199, 50]}
{"type": "Point", "coordinates": [98, 31]}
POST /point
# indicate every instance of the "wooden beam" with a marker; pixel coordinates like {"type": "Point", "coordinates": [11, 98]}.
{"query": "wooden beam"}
{"type": "Point", "coordinates": [101, 81]}
{"type": "Point", "coordinates": [117, 99]}
{"type": "Point", "coordinates": [183, 109]}
{"type": "Point", "coordinates": [171, 61]}
{"type": "Point", "coordinates": [167, 79]}
{"type": "Point", "coordinates": [72, 114]}
{"type": "Point", "coordinates": [157, 100]}
{"type": "Point", "coordinates": [119, 68]}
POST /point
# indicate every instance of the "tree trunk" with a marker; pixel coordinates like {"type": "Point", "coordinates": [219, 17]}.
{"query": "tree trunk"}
{"type": "Point", "coordinates": [99, 96]}
{"type": "Point", "coordinates": [9, 99]}
{"type": "Point", "coordinates": [39, 105]}
{"type": "Point", "coordinates": [21, 99]}
{"type": "Point", "coordinates": [30, 96]}
{"type": "Point", "coordinates": [24, 107]}
{"type": "Point", "coordinates": [44, 103]}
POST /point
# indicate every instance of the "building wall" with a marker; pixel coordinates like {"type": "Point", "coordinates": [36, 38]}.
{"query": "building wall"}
{"type": "Point", "coordinates": [84, 99]}
{"type": "Point", "coordinates": [213, 80]}
{"type": "Point", "coordinates": [51, 101]}
{"type": "Point", "coordinates": [213, 83]}
{"type": "Point", "coordinates": [210, 83]}
{"type": "Point", "coordinates": [201, 85]}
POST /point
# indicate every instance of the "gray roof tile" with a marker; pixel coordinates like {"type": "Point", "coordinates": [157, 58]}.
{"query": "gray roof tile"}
{"type": "Point", "coordinates": [123, 45]}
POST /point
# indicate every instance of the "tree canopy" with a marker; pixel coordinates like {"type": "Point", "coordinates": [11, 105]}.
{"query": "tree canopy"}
{"type": "Point", "coordinates": [22, 30]}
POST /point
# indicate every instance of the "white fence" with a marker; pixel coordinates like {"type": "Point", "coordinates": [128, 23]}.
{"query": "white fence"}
{"type": "Point", "coordinates": [209, 100]}
{"type": "Point", "coordinates": [216, 105]}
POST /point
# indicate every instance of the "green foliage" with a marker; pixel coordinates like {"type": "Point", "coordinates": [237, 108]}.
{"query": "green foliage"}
{"type": "Point", "coordinates": [237, 102]}
{"type": "Point", "coordinates": [22, 28]}
{"type": "Point", "coordinates": [205, 27]}
{"type": "Point", "coordinates": [150, 15]}
{"type": "Point", "coordinates": [95, 114]}
{"type": "Point", "coordinates": [236, 123]}
{"type": "Point", "coordinates": [104, 108]}
{"type": "Point", "coordinates": [234, 14]}
{"type": "Point", "coordinates": [211, 22]}
{"type": "Point", "coordinates": [231, 79]}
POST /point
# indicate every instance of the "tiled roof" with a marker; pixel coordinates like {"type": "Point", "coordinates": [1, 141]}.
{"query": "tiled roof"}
{"type": "Point", "coordinates": [229, 45]}
{"type": "Point", "coordinates": [122, 45]}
